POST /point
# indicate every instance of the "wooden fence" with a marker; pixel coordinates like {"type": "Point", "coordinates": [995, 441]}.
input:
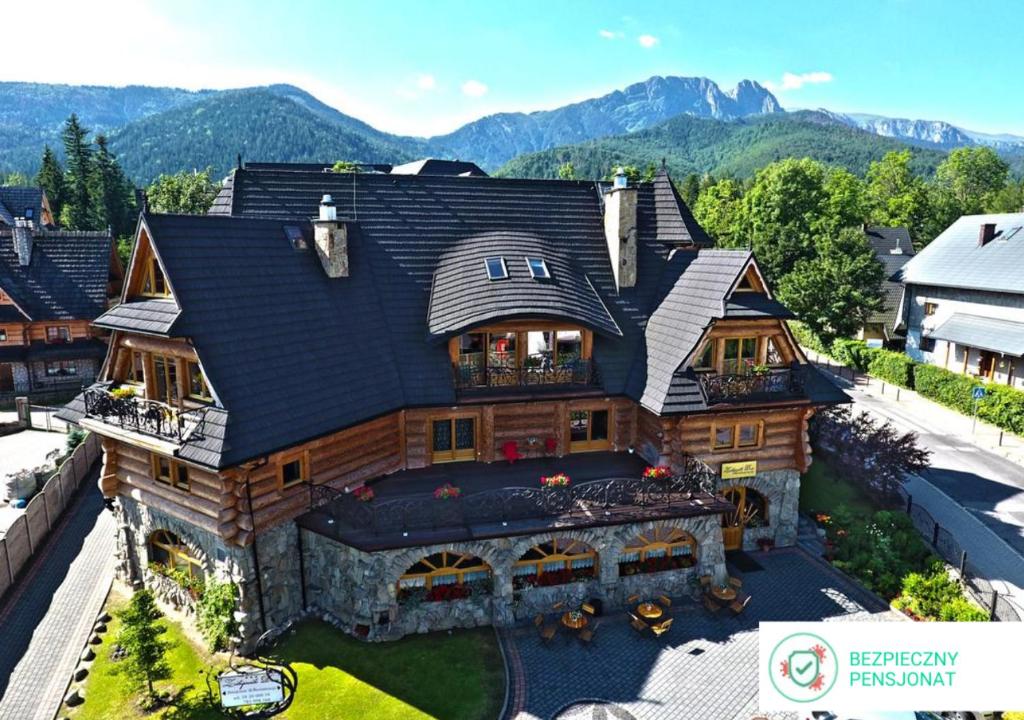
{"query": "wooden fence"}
{"type": "Point", "coordinates": [26, 535]}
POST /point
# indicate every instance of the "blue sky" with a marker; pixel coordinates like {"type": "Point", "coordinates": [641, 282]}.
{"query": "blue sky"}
{"type": "Point", "coordinates": [426, 67]}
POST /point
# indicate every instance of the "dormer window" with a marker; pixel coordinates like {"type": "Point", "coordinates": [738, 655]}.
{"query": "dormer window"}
{"type": "Point", "coordinates": [496, 269]}
{"type": "Point", "coordinates": [29, 214]}
{"type": "Point", "coordinates": [153, 283]}
{"type": "Point", "coordinates": [538, 268]}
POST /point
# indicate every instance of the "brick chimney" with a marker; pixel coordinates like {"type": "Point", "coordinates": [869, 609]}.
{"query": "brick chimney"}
{"type": "Point", "coordinates": [331, 240]}
{"type": "Point", "coordinates": [986, 234]}
{"type": "Point", "coordinates": [22, 234]}
{"type": "Point", "coordinates": [620, 229]}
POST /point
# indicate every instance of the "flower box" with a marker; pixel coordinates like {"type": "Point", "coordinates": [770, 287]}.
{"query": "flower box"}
{"type": "Point", "coordinates": [552, 481]}
{"type": "Point", "coordinates": [363, 493]}
{"type": "Point", "coordinates": [658, 473]}
{"type": "Point", "coordinates": [447, 492]}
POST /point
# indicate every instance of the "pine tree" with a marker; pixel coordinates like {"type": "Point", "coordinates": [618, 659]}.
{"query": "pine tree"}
{"type": "Point", "coordinates": [76, 210]}
{"type": "Point", "coordinates": [140, 634]}
{"type": "Point", "coordinates": [51, 179]}
{"type": "Point", "coordinates": [110, 193]}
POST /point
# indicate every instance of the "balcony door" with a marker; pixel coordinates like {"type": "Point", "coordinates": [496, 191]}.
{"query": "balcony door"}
{"type": "Point", "coordinates": [453, 439]}
{"type": "Point", "coordinates": [588, 430]}
{"type": "Point", "coordinates": [165, 385]}
{"type": "Point", "coordinates": [739, 355]}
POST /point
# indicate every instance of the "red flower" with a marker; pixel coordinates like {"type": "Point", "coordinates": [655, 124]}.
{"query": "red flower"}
{"type": "Point", "coordinates": [363, 493]}
{"type": "Point", "coordinates": [657, 473]}
{"type": "Point", "coordinates": [447, 491]}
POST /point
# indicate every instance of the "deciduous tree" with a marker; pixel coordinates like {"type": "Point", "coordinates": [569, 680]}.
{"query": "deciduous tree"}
{"type": "Point", "coordinates": [972, 176]}
{"type": "Point", "coordinates": [187, 193]}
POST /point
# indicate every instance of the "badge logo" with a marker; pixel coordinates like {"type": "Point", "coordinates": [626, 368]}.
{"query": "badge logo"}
{"type": "Point", "coordinates": [803, 667]}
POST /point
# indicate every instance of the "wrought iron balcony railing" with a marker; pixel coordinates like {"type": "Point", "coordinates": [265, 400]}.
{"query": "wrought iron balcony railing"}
{"type": "Point", "coordinates": [536, 370]}
{"type": "Point", "coordinates": [148, 417]}
{"type": "Point", "coordinates": [583, 502]}
{"type": "Point", "coordinates": [750, 386]}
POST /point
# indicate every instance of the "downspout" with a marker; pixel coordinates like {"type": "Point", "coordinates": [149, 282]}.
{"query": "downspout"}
{"type": "Point", "coordinates": [256, 554]}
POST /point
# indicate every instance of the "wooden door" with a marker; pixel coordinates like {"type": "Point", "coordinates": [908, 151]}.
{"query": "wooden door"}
{"type": "Point", "coordinates": [6, 378]}
{"type": "Point", "coordinates": [732, 524]}
{"type": "Point", "coordinates": [986, 364]}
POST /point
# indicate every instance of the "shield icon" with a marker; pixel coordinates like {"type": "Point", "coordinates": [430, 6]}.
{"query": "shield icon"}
{"type": "Point", "coordinates": [803, 667]}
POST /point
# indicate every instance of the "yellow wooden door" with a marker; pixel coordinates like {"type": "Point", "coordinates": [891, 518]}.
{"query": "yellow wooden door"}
{"type": "Point", "coordinates": [732, 525]}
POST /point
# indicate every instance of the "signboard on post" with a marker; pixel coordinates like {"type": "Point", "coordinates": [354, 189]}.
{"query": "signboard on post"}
{"type": "Point", "coordinates": [250, 686]}
{"type": "Point", "coordinates": [978, 392]}
{"type": "Point", "coordinates": [733, 471]}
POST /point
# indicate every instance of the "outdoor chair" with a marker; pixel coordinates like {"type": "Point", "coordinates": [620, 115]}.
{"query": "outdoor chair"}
{"type": "Point", "coordinates": [739, 605]}
{"type": "Point", "coordinates": [538, 620]}
{"type": "Point", "coordinates": [587, 608]}
{"type": "Point", "coordinates": [639, 625]}
{"type": "Point", "coordinates": [547, 633]}
{"type": "Point", "coordinates": [710, 605]}
{"type": "Point", "coordinates": [558, 605]}
{"type": "Point", "coordinates": [665, 601]}
{"type": "Point", "coordinates": [586, 635]}
{"type": "Point", "coordinates": [705, 581]}
{"type": "Point", "coordinates": [661, 628]}
{"type": "Point", "coordinates": [511, 451]}
{"type": "Point", "coordinates": [550, 445]}
{"type": "Point", "coordinates": [632, 599]}
{"type": "Point", "coordinates": [736, 582]}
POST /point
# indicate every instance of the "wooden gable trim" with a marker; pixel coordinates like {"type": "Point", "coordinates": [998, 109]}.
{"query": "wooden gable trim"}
{"type": "Point", "coordinates": [144, 249]}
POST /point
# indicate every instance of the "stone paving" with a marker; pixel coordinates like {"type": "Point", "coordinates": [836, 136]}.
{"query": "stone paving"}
{"type": "Point", "coordinates": [705, 668]}
{"type": "Point", "coordinates": [49, 616]}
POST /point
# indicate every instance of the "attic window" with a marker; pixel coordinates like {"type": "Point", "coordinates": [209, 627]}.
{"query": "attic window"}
{"type": "Point", "coordinates": [28, 213]}
{"type": "Point", "coordinates": [538, 268]}
{"type": "Point", "coordinates": [496, 269]}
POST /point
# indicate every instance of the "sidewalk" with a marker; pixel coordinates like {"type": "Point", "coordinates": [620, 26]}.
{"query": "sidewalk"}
{"type": "Point", "coordinates": [50, 613]}
{"type": "Point", "coordinates": [937, 417]}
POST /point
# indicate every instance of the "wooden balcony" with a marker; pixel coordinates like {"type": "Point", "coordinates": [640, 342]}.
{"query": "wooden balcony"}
{"type": "Point", "coordinates": [776, 383]}
{"type": "Point", "coordinates": [536, 371]}
{"type": "Point", "coordinates": [145, 417]}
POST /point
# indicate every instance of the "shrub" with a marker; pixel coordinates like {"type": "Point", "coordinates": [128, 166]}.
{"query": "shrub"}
{"type": "Point", "coordinates": [945, 387]}
{"type": "Point", "coordinates": [892, 367]}
{"type": "Point", "coordinates": [932, 595]}
{"type": "Point", "coordinates": [1003, 406]}
{"type": "Point", "coordinates": [853, 353]}
{"type": "Point", "coordinates": [145, 650]}
{"type": "Point", "coordinates": [75, 438]}
{"type": "Point", "coordinates": [217, 613]}
{"type": "Point", "coordinates": [806, 337]}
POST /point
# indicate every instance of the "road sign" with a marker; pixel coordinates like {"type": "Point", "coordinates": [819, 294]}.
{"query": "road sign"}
{"type": "Point", "coordinates": [978, 392]}
{"type": "Point", "coordinates": [250, 685]}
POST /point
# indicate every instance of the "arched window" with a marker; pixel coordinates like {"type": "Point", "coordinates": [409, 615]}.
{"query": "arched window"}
{"type": "Point", "coordinates": [751, 507]}
{"type": "Point", "coordinates": [445, 576]}
{"type": "Point", "coordinates": [167, 550]}
{"type": "Point", "coordinates": [664, 548]}
{"type": "Point", "coordinates": [557, 562]}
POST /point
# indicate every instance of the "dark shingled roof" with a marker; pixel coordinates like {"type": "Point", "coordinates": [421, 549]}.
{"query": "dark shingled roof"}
{"type": "Point", "coordinates": [154, 316]}
{"type": "Point", "coordinates": [884, 241]}
{"type": "Point", "coordinates": [66, 278]}
{"type": "Point", "coordinates": [756, 305]}
{"type": "Point", "coordinates": [15, 200]}
{"type": "Point", "coordinates": [463, 296]}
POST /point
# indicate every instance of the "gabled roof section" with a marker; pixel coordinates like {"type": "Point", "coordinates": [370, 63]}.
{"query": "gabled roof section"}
{"type": "Point", "coordinates": [150, 316]}
{"type": "Point", "coordinates": [696, 298]}
{"type": "Point", "coordinates": [14, 201]}
{"type": "Point", "coordinates": [664, 214]}
{"type": "Point", "coordinates": [893, 249]}
{"type": "Point", "coordinates": [463, 296]}
{"type": "Point", "coordinates": [955, 259]}
{"type": "Point", "coordinates": [66, 278]}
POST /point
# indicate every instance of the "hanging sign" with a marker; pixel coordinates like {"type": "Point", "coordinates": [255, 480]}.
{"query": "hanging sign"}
{"type": "Point", "coordinates": [250, 685]}
{"type": "Point", "coordinates": [732, 471]}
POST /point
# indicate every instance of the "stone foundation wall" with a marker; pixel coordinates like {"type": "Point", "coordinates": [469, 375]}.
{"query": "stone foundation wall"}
{"type": "Point", "coordinates": [358, 590]}
{"type": "Point", "coordinates": [781, 488]}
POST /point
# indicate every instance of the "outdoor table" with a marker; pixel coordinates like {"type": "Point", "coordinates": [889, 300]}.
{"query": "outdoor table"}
{"type": "Point", "coordinates": [724, 593]}
{"type": "Point", "coordinates": [650, 611]}
{"type": "Point", "coordinates": [574, 620]}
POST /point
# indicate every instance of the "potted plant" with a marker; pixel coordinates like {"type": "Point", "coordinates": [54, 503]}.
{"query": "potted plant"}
{"type": "Point", "coordinates": [363, 493]}
{"type": "Point", "coordinates": [553, 481]}
{"type": "Point", "coordinates": [447, 492]}
{"type": "Point", "coordinates": [659, 472]}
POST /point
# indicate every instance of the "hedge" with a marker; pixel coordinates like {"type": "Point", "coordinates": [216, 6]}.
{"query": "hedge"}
{"type": "Point", "coordinates": [892, 367]}
{"type": "Point", "coordinates": [854, 353]}
{"type": "Point", "coordinates": [806, 337]}
{"type": "Point", "coordinates": [1003, 406]}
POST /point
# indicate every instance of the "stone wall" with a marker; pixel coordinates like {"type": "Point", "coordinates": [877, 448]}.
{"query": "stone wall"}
{"type": "Point", "coordinates": [358, 590]}
{"type": "Point", "coordinates": [19, 371]}
{"type": "Point", "coordinates": [781, 489]}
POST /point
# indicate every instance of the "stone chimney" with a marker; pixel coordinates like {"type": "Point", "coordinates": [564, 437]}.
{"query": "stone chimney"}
{"type": "Point", "coordinates": [23, 241]}
{"type": "Point", "coordinates": [986, 234]}
{"type": "Point", "coordinates": [331, 240]}
{"type": "Point", "coordinates": [620, 229]}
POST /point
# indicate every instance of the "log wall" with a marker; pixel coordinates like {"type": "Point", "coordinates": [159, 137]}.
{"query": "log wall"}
{"type": "Point", "coordinates": [784, 443]}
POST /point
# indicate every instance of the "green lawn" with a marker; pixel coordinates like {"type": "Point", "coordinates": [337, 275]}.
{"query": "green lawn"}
{"type": "Point", "coordinates": [823, 490]}
{"type": "Point", "coordinates": [447, 677]}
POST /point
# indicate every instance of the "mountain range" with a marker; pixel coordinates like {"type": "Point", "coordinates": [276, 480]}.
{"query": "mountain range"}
{"type": "Point", "coordinates": [691, 122]}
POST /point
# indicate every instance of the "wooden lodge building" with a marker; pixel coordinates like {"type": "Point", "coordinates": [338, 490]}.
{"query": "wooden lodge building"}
{"type": "Point", "coordinates": [297, 381]}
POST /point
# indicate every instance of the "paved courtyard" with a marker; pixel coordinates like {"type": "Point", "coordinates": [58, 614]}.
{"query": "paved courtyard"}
{"type": "Point", "coordinates": [705, 668]}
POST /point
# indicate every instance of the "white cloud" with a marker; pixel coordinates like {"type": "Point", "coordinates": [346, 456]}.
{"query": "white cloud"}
{"type": "Point", "coordinates": [474, 88]}
{"type": "Point", "coordinates": [648, 41]}
{"type": "Point", "coordinates": [792, 81]}
{"type": "Point", "coordinates": [426, 82]}
{"type": "Point", "coordinates": [609, 34]}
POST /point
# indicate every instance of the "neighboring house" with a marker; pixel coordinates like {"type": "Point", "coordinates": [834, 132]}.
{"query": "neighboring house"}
{"type": "Point", "coordinates": [893, 249]}
{"type": "Point", "coordinates": [270, 368]}
{"type": "Point", "coordinates": [28, 205]}
{"type": "Point", "coordinates": [53, 284]}
{"type": "Point", "coordinates": [964, 299]}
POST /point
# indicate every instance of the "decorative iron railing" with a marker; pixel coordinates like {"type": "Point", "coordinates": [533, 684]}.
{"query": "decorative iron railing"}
{"type": "Point", "coordinates": [582, 503]}
{"type": "Point", "coordinates": [536, 370]}
{"type": "Point", "coordinates": [149, 417]}
{"type": "Point", "coordinates": [752, 385]}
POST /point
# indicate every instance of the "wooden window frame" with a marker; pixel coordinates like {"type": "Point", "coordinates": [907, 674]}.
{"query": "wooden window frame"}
{"type": "Point", "coordinates": [445, 570]}
{"type": "Point", "coordinates": [724, 341]}
{"type": "Point", "coordinates": [130, 376]}
{"type": "Point", "coordinates": [734, 425]}
{"type": "Point", "coordinates": [3, 334]}
{"type": "Point", "coordinates": [453, 455]}
{"type": "Point", "coordinates": [60, 365]}
{"type": "Point", "coordinates": [709, 348]}
{"type": "Point", "coordinates": [930, 308]}
{"type": "Point", "coordinates": [175, 468]}
{"type": "Point", "coordinates": [149, 277]}
{"type": "Point", "coordinates": [662, 539]}
{"type": "Point", "coordinates": [175, 550]}
{"type": "Point", "coordinates": [59, 340]}
{"type": "Point", "coordinates": [205, 396]}
{"type": "Point", "coordinates": [559, 555]}
{"type": "Point", "coordinates": [300, 456]}
{"type": "Point", "coordinates": [591, 445]}
{"type": "Point", "coordinates": [521, 333]}
{"type": "Point", "coordinates": [168, 360]}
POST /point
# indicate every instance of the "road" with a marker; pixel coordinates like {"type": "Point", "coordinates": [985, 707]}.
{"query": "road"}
{"type": "Point", "coordinates": [967, 488]}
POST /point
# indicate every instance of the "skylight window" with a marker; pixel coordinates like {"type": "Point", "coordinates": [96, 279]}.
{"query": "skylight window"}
{"type": "Point", "coordinates": [496, 269]}
{"type": "Point", "coordinates": [538, 268]}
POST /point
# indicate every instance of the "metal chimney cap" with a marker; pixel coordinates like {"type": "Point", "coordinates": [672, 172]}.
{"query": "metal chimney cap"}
{"type": "Point", "coordinates": [621, 179]}
{"type": "Point", "coordinates": [326, 200]}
